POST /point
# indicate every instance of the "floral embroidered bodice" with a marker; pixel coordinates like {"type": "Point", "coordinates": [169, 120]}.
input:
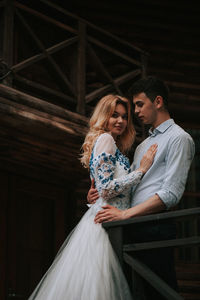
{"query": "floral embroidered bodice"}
{"type": "Point", "coordinates": [111, 172]}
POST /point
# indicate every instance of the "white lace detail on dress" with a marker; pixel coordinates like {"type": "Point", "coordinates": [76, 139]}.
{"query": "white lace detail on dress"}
{"type": "Point", "coordinates": [111, 171]}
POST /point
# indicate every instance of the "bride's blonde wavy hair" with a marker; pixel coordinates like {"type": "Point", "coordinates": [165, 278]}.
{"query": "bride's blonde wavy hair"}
{"type": "Point", "coordinates": [98, 124]}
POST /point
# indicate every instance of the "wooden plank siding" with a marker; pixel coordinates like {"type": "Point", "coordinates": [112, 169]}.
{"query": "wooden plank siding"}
{"type": "Point", "coordinates": [31, 128]}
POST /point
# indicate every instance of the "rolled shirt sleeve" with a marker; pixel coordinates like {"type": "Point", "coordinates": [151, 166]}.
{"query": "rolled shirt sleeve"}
{"type": "Point", "coordinates": [179, 157]}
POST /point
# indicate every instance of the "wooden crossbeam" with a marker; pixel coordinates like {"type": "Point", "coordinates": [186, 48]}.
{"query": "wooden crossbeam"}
{"type": "Point", "coordinates": [120, 80]}
{"type": "Point", "coordinates": [29, 61]}
{"type": "Point", "coordinates": [101, 68]}
{"type": "Point", "coordinates": [45, 89]}
{"type": "Point", "coordinates": [114, 51]}
{"type": "Point", "coordinates": [46, 18]}
{"type": "Point", "coordinates": [8, 36]}
{"type": "Point", "coordinates": [164, 289]}
{"type": "Point", "coordinates": [187, 242]}
{"type": "Point", "coordinates": [55, 66]}
{"type": "Point", "coordinates": [108, 34]}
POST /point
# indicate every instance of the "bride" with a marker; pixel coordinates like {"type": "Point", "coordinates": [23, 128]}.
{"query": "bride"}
{"type": "Point", "coordinates": [86, 267]}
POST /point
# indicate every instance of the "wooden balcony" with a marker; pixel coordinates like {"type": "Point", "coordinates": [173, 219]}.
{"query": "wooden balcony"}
{"type": "Point", "coordinates": [74, 65]}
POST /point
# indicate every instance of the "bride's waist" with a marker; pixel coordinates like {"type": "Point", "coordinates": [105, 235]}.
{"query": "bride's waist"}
{"type": "Point", "coordinates": [118, 202]}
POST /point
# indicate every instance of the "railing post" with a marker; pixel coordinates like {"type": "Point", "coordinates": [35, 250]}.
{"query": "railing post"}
{"type": "Point", "coordinates": [116, 239]}
{"type": "Point", "coordinates": [81, 68]}
{"type": "Point", "coordinates": [8, 37]}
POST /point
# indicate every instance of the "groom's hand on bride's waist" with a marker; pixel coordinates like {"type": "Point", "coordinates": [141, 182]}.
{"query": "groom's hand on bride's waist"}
{"type": "Point", "coordinates": [109, 213]}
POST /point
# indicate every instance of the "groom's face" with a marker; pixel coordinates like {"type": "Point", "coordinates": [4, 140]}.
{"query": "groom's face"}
{"type": "Point", "coordinates": [145, 109]}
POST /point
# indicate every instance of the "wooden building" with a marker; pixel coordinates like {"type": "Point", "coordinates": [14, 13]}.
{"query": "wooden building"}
{"type": "Point", "coordinates": [57, 59]}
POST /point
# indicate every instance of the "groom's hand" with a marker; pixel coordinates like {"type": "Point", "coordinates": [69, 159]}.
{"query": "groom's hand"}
{"type": "Point", "coordinates": [109, 213]}
{"type": "Point", "coordinates": [92, 195]}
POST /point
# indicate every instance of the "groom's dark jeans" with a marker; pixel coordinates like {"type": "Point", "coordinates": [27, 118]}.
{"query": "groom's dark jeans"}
{"type": "Point", "coordinates": [161, 260]}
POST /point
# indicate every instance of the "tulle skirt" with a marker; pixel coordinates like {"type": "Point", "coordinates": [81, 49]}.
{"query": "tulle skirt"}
{"type": "Point", "coordinates": [85, 268]}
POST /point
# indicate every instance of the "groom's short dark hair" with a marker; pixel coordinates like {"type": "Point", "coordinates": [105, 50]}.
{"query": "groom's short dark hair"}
{"type": "Point", "coordinates": [152, 87]}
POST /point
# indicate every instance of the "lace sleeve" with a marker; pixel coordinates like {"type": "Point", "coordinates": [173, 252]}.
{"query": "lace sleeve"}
{"type": "Point", "coordinates": [104, 167]}
{"type": "Point", "coordinates": [107, 186]}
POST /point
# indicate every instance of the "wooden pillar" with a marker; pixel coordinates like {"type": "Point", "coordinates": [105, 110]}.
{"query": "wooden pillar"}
{"type": "Point", "coordinates": [8, 35]}
{"type": "Point", "coordinates": [81, 62]}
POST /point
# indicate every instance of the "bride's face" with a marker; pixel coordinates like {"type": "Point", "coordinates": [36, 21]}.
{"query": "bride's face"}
{"type": "Point", "coordinates": [118, 121]}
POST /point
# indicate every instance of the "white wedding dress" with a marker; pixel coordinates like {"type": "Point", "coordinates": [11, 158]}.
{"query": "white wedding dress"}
{"type": "Point", "coordinates": [86, 267]}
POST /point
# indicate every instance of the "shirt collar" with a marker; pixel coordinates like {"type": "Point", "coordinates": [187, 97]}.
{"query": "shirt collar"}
{"type": "Point", "coordinates": [161, 128]}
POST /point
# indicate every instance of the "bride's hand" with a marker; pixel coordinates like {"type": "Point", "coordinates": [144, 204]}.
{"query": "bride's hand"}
{"type": "Point", "coordinates": [148, 158]}
{"type": "Point", "coordinates": [92, 195]}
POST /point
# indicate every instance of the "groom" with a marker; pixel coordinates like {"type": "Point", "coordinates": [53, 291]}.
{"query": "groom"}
{"type": "Point", "coordinates": [162, 186]}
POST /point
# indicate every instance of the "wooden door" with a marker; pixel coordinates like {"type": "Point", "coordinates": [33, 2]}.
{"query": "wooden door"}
{"type": "Point", "coordinates": [36, 227]}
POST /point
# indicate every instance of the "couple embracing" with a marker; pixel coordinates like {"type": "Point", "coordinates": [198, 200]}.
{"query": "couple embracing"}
{"type": "Point", "coordinates": [86, 267]}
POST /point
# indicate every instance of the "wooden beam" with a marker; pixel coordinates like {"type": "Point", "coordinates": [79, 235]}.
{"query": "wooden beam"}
{"type": "Point", "coordinates": [38, 141]}
{"type": "Point", "coordinates": [120, 80]}
{"type": "Point", "coordinates": [157, 50]}
{"type": "Point", "coordinates": [20, 115]}
{"type": "Point", "coordinates": [8, 37]}
{"type": "Point", "coordinates": [183, 111]}
{"type": "Point", "coordinates": [182, 242]}
{"type": "Point", "coordinates": [61, 75]}
{"type": "Point", "coordinates": [154, 280]}
{"type": "Point", "coordinates": [46, 18]}
{"type": "Point", "coordinates": [144, 65]}
{"type": "Point", "coordinates": [45, 148]}
{"type": "Point", "coordinates": [185, 98]}
{"type": "Point", "coordinates": [41, 105]}
{"type": "Point", "coordinates": [40, 87]}
{"type": "Point", "coordinates": [29, 61]}
{"type": "Point", "coordinates": [81, 68]}
{"type": "Point", "coordinates": [114, 51]}
{"type": "Point", "coordinates": [27, 163]}
{"type": "Point", "coordinates": [173, 25]}
{"type": "Point", "coordinates": [182, 74]}
{"type": "Point", "coordinates": [101, 68]}
{"type": "Point", "coordinates": [106, 33]}
{"type": "Point", "coordinates": [184, 85]}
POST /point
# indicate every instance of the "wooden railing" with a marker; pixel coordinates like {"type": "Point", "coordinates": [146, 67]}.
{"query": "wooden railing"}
{"type": "Point", "coordinates": [84, 63]}
{"type": "Point", "coordinates": [118, 231]}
